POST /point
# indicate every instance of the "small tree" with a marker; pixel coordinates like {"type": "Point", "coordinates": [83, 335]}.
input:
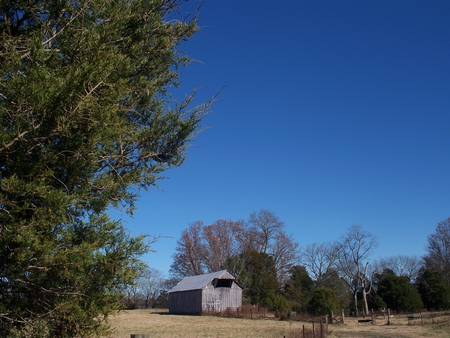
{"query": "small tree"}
{"type": "Point", "coordinates": [323, 301]}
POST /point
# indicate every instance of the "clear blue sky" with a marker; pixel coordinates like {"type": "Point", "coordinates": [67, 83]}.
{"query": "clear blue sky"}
{"type": "Point", "coordinates": [334, 113]}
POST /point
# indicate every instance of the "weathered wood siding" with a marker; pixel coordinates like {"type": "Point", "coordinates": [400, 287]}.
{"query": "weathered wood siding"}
{"type": "Point", "coordinates": [186, 302]}
{"type": "Point", "coordinates": [220, 298]}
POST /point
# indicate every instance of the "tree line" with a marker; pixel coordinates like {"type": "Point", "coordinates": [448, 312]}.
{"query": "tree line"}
{"type": "Point", "coordinates": [318, 278]}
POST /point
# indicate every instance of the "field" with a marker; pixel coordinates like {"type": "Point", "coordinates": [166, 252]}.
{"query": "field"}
{"type": "Point", "coordinates": [158, 323]}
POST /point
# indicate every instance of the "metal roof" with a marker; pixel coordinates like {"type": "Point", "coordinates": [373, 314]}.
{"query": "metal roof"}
{"type": "Point", "coordinates": [200, 281]}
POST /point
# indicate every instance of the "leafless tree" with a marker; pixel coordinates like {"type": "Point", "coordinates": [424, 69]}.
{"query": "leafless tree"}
{"type": "Point", "coordinates": [318, 260]}
{"type": "Point", "coordinates": [438, 257]}
{"type": "Point", "coordinates": [401, 265]}
{"type": "Point", "coordinates": [190, 252]}
{"type": "Point", "coordinates": [150, 284]}
{"type": "Point", "coordinates": [265, 225]}
{"type": "Point", "coordinates": [221, 242]}
{"type": "Point", "coordinates": [284, 251]}
{"type": "Point", "coordinates": [353, 251]}
{"type": "Point", "coordinates": [267, 235]}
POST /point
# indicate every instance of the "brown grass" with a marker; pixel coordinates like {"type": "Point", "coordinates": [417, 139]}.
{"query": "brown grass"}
{"type": "Point", "coordinates": [158, 323]}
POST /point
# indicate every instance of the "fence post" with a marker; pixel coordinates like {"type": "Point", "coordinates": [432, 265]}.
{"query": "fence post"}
{"type": "Point", "coordinates": [343, 316]}
{"type": "Point", "coordinates": [314, 331]}
{"type": "Point", "coordinates": [389, 316]}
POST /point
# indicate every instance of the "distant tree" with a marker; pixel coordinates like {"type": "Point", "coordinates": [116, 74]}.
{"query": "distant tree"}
{"type": "Point", "coordinates": [151, 284]}
{"type": "Point", "coordinates": [401, 265]}
{"type": "Point", "coordinates": [190, 253]}
{"type": "Point", "coordinates": [353, 250]}
{"type": "Point", "coordinates": [319, 259]}
{"type": "Point", "coordinates": [266, 225]}
{"type": "Point", "coordinates": [377, 303]}
{"type": "Point", "coordinates": [323, 301]}
{"type": "Point", "coordinates": [284, 252]}
{"type": "Point", "coordinates": [263, 279]}
{"type": "Point", "coordinates": [434, 289]}
{"type": "Point", "coordinates": [398, 293]}
{"type": "Point", "coordinates": [227, 244]}
{"type": "Point", "coordinates": [438, 256]}
{"type": "Point", "coordinates": [265, 233]}
{"type": "Point", "coordinates": [332, 280]}
{"type": "Point", "coordinates": [299, 287]}
{"type": "Point", "coordinates": [238, 266]}
{"type": "Point", "coordinates": [221, 240]}
{"type": "Point", "coordinates": [163, 299]}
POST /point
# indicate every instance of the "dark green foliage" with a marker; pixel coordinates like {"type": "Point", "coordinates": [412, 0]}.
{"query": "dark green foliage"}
{"type": "Point", "coordinates": [398, 293]}
{"type": "Point", "coordinates": [377, 303]}
{"type": "Point", "coordinates": [339, 286]}
{"type": "Point", "coordinates": [85, 122]}
{"type": "Point", "coordinates": [299, 288]}
{"type": "Point", "coordinates": [263, 279]}
{"type": "Point", "coordinates": [438, 255]}
{"type": "Point", "coordinates": [434, 289]}
{"type": "Point", "coordinates": [323, 301]}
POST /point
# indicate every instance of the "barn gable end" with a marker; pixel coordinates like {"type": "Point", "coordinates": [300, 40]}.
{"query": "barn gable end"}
{"type": "Point", "coordinates": [215, 291]}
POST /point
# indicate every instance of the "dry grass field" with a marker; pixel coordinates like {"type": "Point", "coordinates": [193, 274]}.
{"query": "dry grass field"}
{"type": "Point", "coordinates": [158, 323]}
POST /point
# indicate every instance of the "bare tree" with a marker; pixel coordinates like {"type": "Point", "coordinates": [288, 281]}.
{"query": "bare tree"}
{"type": "Point", "coordinates": [284, 251]}
{"type": "Point", "coordinates": [353, 251]}
{"type": "Point", "coordinates": [190, 252]}
{"type": "Point", "coordinates": [438, 257]}
{"type": "Point", "coordinates": [266, 233]}
{"type": "Point", "coordinates": [150, 284]}
{"type": "Point", "coordinates": [318, 260]}
{"type": "Point", "coordinates": [221, 242]}
{"type": "Point", "coordinates": [265, 225]}
{"type": "Point", "coordinates": [401, 265]}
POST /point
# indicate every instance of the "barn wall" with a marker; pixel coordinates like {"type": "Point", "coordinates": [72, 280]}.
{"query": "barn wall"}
{"type": "Point", "coordinates": [188, 302]}
{"type": "Point", "coordinates": [222, 297]}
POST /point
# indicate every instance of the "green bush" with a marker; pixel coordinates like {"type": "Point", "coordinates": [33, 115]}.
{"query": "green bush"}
{"type": "Point", "coordinates": [323, 301]}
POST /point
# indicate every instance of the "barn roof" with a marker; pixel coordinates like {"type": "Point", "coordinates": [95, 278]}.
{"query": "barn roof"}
{"type": "Point", "coordinates": [200, 281]}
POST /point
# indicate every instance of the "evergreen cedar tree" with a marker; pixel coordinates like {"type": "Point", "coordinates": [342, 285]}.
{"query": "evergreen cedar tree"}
{"type": "Point", "coordinates": [86, 121]}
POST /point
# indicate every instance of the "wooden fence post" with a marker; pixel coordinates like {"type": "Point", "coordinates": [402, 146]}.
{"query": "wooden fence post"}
{"type": "Point", "coordinates": [343, 316]}
{"type": "Point", "coordinates": [389, 316]}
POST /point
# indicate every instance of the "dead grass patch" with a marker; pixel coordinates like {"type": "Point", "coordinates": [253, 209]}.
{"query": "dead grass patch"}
{"type": "Point", "coordinates": [159, 323]}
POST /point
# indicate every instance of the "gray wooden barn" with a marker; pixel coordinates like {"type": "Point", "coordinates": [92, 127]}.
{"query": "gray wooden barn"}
{"type": "Point", "coordinates": [215, 291]}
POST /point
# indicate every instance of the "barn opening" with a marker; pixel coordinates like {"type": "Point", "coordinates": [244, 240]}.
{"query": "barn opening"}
{"type": "Point", "coordinates": [223, 283]}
